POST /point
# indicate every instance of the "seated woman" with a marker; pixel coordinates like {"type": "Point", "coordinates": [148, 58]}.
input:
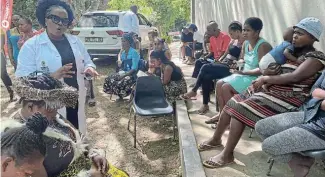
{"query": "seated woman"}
{"type": "Point", "coordinates": [23, 148]}
{"type": "Point", "coordinates": [68, 154]}
{"type": "Point", "coordinates": [277, 132]}
{"type": "Point", "coordinates": [161, 45]}
{"type": "Point", "coordinates": [121, 83]}
{"type": "Point", "coordinates": [171, 76]}
{"type": "Point", "coordinates": [253, 50]}
{"type": "Point", "coordinates": [286, 93]}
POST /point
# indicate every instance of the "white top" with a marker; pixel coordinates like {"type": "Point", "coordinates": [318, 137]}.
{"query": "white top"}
{"type": "Point", "coordinates": [198, 37]}
{"type": "Point", "coordinates": [131, 23]}
{"type": "Point", "coordinates": [39, 54]}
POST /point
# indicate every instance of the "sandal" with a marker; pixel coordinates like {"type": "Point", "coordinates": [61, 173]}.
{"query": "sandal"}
{"type": "Point", "coordinates": [211, 164]}
{"type": "Point", "coordinates": [91, 103]}
{"type": "Point", "coordinates": [184, 97]}
{"type": "Point", "coordinates": [212, 121]}
{"type": "Point", "coordinates": [205, 110]}
{"type": "Point", "coordinates": [206, 147]}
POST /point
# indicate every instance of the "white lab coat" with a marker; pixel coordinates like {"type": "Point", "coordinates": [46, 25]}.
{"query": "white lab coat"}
{"type": "Point", "coordinates": [39, 54]}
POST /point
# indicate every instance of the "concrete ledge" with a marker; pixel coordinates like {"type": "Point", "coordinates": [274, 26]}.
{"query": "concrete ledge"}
{"type": "Point", "coordinates": [190, 156]}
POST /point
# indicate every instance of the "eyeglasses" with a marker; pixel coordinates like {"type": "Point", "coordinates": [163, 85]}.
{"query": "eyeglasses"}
{"type": "Point", "coordinates": [56, 19]}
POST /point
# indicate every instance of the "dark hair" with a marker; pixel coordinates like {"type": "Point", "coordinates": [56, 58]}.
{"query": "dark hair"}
{"type": "Point", "coordinates": [23, 142]}
{"type": "Point", "coordinates": [28, 20]}
{"type": "Point", "coordinates": [160, 55]}
{"type": "Point", "coordinates": [44, 5]}
{"type": "Point", "coordinates": [255, 23]}
{"type": "Point", "coordinates": [161, 41]}
{"type": "Point", "coordinates": [235, 26]}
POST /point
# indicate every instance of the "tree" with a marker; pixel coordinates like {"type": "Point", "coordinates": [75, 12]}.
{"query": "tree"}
{"type": "Point", "coordinates": [165, 14]}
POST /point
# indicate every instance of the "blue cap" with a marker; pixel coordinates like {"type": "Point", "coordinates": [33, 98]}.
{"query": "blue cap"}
{"type": "Point", "coordinates": [312, 25]}
{"type": "Point", "coordinates": [193, 26]}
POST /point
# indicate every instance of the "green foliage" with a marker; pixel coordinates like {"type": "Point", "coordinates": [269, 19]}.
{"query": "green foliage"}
{"type": "Point", "coordinates": [25, 8]}
{"type": "Point", "coordinates": [165, 14]}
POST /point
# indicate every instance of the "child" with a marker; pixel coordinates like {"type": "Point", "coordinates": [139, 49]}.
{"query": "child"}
{"type": "Point", "coordinates": [278, 55]}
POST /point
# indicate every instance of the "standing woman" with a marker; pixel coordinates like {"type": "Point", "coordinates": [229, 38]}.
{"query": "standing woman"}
{"type": "Point", "coordinates": [59, 54]}
{"type": "Point", "coordinates": [26, 28]}
{"type": "Point", "coordinates": [13, 37]}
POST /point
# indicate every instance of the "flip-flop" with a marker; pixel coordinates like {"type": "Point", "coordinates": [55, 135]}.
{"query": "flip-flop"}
{"type": "Point", "coordinates": [211, 164]}
{"type": "Point", "coordinates": [212, 121]}
{"type": "Point", "coordinates": [205, 147]}
{"type": "Point", "coordinates": [183, 97]}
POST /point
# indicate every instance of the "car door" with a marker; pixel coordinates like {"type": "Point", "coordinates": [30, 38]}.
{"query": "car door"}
{"type": "Point", "coordinates": [144, 30]}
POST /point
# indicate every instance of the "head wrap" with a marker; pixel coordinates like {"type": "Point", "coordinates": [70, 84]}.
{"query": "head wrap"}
{"type": "Point", "coordinates": [43, 5]}
{"type": "Point", "coordinates": [45, 88]}
{"type": "Point", "coordinates": [129, 37]}
{"type": "Point", "coordinates": [312, 25]}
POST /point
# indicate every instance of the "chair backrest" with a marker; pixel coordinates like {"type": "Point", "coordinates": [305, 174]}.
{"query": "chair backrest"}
{"type": "Point", "coordinates": [149, 86]}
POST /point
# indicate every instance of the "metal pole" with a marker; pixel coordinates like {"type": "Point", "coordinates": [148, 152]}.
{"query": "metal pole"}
{"type": "Point", "coordinates": [193, 11]}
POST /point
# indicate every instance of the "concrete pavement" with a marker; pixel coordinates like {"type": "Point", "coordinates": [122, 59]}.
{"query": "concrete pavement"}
{"type": "Point", "coordinates": [250, 160]}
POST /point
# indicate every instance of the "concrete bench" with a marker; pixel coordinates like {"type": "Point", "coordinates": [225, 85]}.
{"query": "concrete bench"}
{"type": "Point", "coordinates": [190, 156]}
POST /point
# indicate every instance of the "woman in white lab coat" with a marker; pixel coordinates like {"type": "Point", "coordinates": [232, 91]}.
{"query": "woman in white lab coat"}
{"type": "Point", "coordinates": [59, 54]}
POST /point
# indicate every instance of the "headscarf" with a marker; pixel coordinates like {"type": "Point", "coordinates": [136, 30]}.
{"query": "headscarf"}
{"type": "Point", "coordinates": [45, 88]}
{"type": "Point", "coordinates": [43, 5]}
{"type": "Point", "coordinates": [129, 37]}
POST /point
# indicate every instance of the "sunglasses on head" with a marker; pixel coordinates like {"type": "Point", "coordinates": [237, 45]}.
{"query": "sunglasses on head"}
{"type": "Point", "coordinates": [56, 19]}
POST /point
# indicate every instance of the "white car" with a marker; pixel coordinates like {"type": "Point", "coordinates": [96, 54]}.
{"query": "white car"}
{"type": "Point", "coordinates": [101, 32]}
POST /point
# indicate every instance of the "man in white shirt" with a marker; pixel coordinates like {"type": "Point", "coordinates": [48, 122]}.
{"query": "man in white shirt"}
{"type": "Point", "coordinates": [131, 21]}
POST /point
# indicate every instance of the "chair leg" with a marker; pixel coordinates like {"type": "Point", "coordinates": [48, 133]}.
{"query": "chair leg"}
{"type": "Point", "coordinates": [129, 118]}
{"type": "Point", "coordinates": [135, 130]}
{"type": "Point", "coordinates": [271, 161]}
{"type": "Point", "coordinates": [251, 132]}
{"type": "Point", "coordinates": [110, 97]}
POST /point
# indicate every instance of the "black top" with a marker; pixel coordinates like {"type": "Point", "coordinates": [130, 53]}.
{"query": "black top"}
{"type": "Point", "coordinates": [187, 37]}
{"type": "Point", "coordinates": [234, 51]}
{"type": "Point", "coordinates": [177, 73]}
{"type": "Point", "coordinates": [65, 50]}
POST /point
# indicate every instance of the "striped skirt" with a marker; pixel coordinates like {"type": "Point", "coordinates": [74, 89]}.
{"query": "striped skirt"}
{"type": "Point", "coordinates": [249, 108]}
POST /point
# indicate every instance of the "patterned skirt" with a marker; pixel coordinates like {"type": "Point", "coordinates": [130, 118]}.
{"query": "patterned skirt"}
{"type": "Point", "coordinates": [121, 88]}
{"type": "Point", "coordinates": [250, 107]}
{"type": "Point", "coordinates": [175, 89]}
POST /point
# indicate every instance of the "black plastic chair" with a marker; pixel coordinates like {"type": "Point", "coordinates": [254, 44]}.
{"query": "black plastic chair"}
{"type": "Point", "coordinates": [150, 100]}
{"type": "Point", "coordinates": [316, 154]}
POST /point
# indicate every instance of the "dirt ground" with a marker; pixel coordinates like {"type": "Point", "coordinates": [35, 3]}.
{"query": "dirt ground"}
{"type": "Point", "coordinates": [157, 155]}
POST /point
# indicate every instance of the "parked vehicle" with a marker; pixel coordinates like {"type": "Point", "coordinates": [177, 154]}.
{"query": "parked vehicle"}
{"type": "Point", "coordinates": [101, 32]}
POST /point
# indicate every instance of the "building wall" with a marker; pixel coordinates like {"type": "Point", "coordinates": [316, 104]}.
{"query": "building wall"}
{"type": "Point", "coordinates": [276, 15]}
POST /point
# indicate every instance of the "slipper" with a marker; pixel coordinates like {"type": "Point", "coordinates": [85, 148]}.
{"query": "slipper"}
{"type": "Point", "coordinates": [211, 121]}
{"type": "Point", "coordinates": [183, 97]}
{"type": "Point", "coordinates": [211, 164]}
{"type": "Point", "coordinates": [203, 112]}
{"type": "Point", "coordinates": [205, 147]}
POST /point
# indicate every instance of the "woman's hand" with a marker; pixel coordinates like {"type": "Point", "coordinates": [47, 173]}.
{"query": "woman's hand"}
{"type": "Point", "coordinates": [63, 72]}
{"type": "Point", "coordinates": [238, 72]}
{"type": "Point", "coordinates": [258, 83]}
{"type": "Point", "coordinates": [91, 71]}
{"type": "Point", "coordinates": [101, 163]}
{"type": "Point", "coordinates": [318, 93]}
{"type": "Point", "coordinates": [119, 63]}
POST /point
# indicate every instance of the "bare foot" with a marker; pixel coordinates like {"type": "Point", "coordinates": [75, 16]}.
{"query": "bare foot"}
{"type": "Point", "coordinates": [213, 120]}
{"type": "Point", "coordinates": [213, 142]}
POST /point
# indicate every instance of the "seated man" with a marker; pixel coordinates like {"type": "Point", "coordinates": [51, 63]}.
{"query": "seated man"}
{"type": "Point", "coordinates": [219, 42]}
{"type": "Point", "coordinates": [66, 147]}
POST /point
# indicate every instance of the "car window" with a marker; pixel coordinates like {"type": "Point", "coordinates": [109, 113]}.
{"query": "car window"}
{"type": "Point", "coordinates": [99, 20]}
{"type": "Point", "coordinates": [142, 21]}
